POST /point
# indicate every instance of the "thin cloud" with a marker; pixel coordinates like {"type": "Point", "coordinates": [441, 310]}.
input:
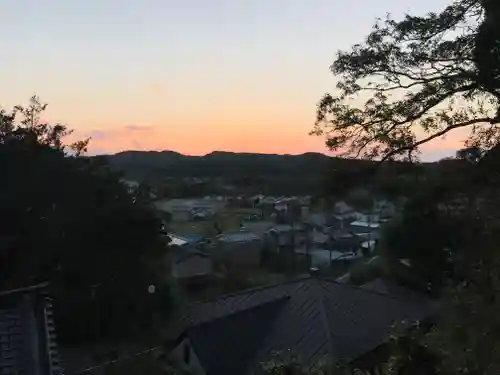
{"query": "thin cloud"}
{"type": "Point", "coordinates": [137, 128]}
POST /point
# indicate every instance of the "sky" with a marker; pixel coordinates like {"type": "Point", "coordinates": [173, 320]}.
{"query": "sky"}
{"type": "Point", "coordinates": [192, 76]}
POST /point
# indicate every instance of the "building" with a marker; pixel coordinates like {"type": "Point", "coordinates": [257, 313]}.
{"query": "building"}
{"type": "Point", "coordinates": [185, 240]}
{"type": "Point", "coordinates": [364, 227]}
{"type": "Point", "coordinates": [27, 333]}
{"type": "Point", "coordinates": [190, 267]}
{"type": "Point", "coordinates": [322, 258]}
{"type": "Point", "coordinates": [188, 209]}
{"type": "Point", "coordinates": [130, 184]}
{"type": "Point", "coordinates": [310, 318]}
{"type": "Point", "coordinates": [367, 217]}
{"type": "Point", "coordinates": [384, 208]}
{"type": "Point", "coordinates": [344, 211]}
{"type": "Point", "coordinates": [327, 223]}
{"type": "Point", "coordinates": [259, 227]}
{"type": "Point", "coordinates": [284, 235]}
{"type": "Point", "coordinates": [241, 248]}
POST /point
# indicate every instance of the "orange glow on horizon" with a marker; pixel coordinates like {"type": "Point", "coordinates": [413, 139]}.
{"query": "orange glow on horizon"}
{"type": "Point", "coordinates": [150, 138]}
{"type": "Point", "coordinates": [145, 138]}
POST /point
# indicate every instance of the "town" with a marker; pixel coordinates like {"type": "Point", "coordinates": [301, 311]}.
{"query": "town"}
{"type": "Point", "coordinates": [268, 237]}
{"type": "Point", "coordinates": [203, 213]}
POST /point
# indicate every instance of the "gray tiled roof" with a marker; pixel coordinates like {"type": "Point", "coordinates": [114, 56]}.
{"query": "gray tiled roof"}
{"type": "Point", "coordinates": [241, 236]}
{"type": "Point", "coordinates": [27, 343]}
{"type": "Point", "coordinates": [319, 219]}
{"type": "Point", "coordinates": [391, 288]}
{"type": "Point", "coordinates": [310, 317]}
{"type": "Point", "coordinates": [181, 254]}
{"type": "Point", "coordinates": [237, 338]}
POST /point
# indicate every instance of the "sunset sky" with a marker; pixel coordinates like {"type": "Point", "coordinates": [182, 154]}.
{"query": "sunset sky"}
{"type": "Point", "coordinates": [188, 75]}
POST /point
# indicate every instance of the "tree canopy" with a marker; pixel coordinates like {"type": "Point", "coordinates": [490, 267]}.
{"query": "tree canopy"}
{"type": "Point", "coordinates": [420, 78]}
{"type": "Point", "coordinates": [68, 219]}
{"type": "Point", "coordinates": [410, 82]}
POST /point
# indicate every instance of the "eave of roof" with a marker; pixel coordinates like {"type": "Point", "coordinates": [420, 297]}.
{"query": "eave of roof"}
{"type": "Point", "coordinates": [27, 289]}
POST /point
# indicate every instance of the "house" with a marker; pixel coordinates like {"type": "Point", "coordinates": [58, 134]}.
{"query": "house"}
{"type": "Point", "coordinates": [311, 318]}
{"type": "Point", "coordinates": [364, 227]}
{"type": "Point", "coordinates": [283, 235]}
{"type": "Point", "coordinates": [185, 240]}
{"type": "Point", "coordinates": [347, 242]}
{"type": "Point", "coordinates": [318, 221]}
{"type": "Point", "coordinates": [326, 223]}
{"type": "Point", "coordinates": [323, 258]}
{"type": "Point", "coordinates": [384, 208]}
{"type": "Point", "coordinates": [342, 210]}
{"type": "Point", "coordinates": [27, 333]}
{"type": "Point", "coordinates": [241, 248]}
{"type": "Point", "coordinates": [282, 205]}
{"type": "Point", "coordinates": [187, 209]}
{"type": "Point", "coordinates": [367, 217]}
{"type": "Point", "coordinates": [259, 227]}
{"type": "Point", "coordinates": [130, 184]}
{"type": "Point", "coordinates": [191, 267]}
{"type": "Point", "coordinates": [266, 205]}
{"type": "Point", "coordinates": [392, 289]}
{"type": "Point", "coordinates": [289, 203]}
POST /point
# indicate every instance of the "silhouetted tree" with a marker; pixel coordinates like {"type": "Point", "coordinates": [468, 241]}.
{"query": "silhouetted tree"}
{"type": "Point", "coordinates": [418, 73]}
{"type": "Point", "coordinates": [426, 76]}
{"type": "Point", "coordinates": [69, 220]}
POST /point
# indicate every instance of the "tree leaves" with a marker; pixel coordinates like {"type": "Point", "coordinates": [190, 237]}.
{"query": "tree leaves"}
{"type": "Point", "coordinates": [419, 73]}
{"type": "Point", "coordinates": [70, 221]}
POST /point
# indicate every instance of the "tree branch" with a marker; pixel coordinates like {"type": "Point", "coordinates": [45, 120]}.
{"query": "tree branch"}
{"type": "Point", "coordinates": [436, 135]}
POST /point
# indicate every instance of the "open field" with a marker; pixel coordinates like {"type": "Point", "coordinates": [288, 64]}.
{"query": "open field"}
{"type": "Point", "coordinates": [227, 220]}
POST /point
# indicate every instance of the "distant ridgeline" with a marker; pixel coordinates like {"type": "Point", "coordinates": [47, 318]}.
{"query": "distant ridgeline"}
{"type": "Point", "coordinates": [308, 170]}
{"type": "Point", "coordinates": [219, 164]}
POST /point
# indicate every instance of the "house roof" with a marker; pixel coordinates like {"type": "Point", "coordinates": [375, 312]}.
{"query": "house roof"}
{"type": "Point", "coordinates": [27, 342]}
{"type": "Point", "coordinates": [213, 339]}
{"type": "Point", "coordinates": [192, 237]}
{"type": "Point", "coordinates": [393, 289]}
{"type": "Point", "coordinates": [319, 237]}
{"type": "Point", "coordinates": [182, 254]}
{"type": "Point", "coordinates": [241, 236]}
{"type": "Point", "coordinates": [258, 227]}
{"type": "Point", "coordinates": [287, 227]}
{"type": "Point", "coordinates": [184, 239]}
{"type": "Point", "coordinates": [342, 207]}
{"type": "Point", "coordinates": [310, 317]}
{"type": "Point", "coordinates": [364, 224]}
{"type": "Point", "coordinates": [318, 219]}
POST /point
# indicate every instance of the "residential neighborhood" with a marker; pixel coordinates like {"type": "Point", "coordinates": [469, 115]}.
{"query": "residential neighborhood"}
{"type": "Point", "coordinates": [285, 228]}
{"type": "Point", "coordinates": [281, 255]}
{"type": "Point", "coordinates": [203, 198]}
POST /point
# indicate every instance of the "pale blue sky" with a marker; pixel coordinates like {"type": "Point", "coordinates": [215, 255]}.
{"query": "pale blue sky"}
{"type": "Point", "coordinates": [197, 74]}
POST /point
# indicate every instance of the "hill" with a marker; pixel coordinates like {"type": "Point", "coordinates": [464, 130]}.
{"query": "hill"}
{"type": "Point", "coordinates": [286, 174]}
{"type": "Point", "coordinates": [157, 164]}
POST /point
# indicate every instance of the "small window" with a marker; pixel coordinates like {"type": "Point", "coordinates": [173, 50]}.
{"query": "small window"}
{"type": "Point", "coordinates": [187, 353]}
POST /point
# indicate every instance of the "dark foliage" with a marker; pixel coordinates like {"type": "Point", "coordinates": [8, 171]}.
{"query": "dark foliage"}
{"type": "Point", "coordinates": [435, 73]}
{"type": "Point", "coordinates": [68, 220]}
